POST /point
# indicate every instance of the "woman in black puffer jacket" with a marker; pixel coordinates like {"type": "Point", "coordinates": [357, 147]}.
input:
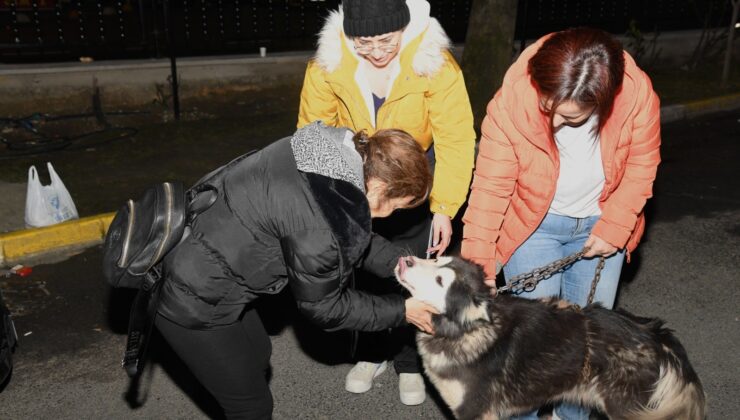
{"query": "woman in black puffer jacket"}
{"type": "Point", "coordinates": [297, 212]}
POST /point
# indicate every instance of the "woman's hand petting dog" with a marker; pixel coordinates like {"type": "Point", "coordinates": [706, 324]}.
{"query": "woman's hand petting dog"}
{"type": "Point", "coordinates": [442, 234]}
{"type": "Point", "coordinates": [597, 247]}
{"type": "Point", "coordinates": [420, 314]}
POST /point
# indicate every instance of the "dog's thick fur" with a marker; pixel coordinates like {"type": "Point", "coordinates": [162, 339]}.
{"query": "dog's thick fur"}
{"type": "Point", "coordinates": [494, 357]}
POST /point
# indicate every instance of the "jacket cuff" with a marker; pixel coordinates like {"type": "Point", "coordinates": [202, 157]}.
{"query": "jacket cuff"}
{"type": "Point", "coordinates": [490, 266]}
{"type": "Point", "coordinates": [444, 208]}
{"type": "Point", "coordinates": [400, 304]}
{"type": "Point", "coordinates": [483, 254]}
{"type": "Point", "coordinates": [613, 234]}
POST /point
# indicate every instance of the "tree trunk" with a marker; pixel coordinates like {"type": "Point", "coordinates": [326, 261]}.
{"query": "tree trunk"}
{"type": "Point", "coordinates": [730, 36]}
{"type": "Point", "coordinates": [488, 50]}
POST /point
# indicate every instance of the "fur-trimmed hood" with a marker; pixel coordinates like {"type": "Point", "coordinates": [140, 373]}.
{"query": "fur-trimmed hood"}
{"type": "Point", "coordinates": [428, 58]}
{"type": "Point", "coordinates": [424, 95]}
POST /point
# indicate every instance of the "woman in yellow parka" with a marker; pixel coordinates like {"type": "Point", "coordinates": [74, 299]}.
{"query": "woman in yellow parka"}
{"type": "Point", "coordinates": [386, 64]}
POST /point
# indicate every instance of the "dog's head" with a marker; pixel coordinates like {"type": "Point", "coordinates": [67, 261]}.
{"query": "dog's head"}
{"type": "Point", "coordinates": [452, 285]}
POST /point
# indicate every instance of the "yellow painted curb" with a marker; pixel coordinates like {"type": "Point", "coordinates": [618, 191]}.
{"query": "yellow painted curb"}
{"type": "Point", "coordinates": [712, 104]}
{"type": "Point", "coordinates": [15, 246]}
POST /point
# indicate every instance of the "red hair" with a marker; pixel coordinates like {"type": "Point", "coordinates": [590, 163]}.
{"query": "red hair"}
{"type": "Point", "coordinates": [582, 65]}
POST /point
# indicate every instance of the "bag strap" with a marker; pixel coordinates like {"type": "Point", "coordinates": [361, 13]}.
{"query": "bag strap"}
{"type": "Point", "coordinates": [198, 202]}
{"type": "Point", "coordinates": [53, 175]}
{"type": "Point", "coordinates": [141, 323]}
{"type": "Point", "coordinates": [33, 174]}
{"type": "Point", "coordinates": [199, 198]}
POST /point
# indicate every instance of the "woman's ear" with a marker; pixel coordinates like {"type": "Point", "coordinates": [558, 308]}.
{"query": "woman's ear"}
{"type": "Point", "coordinates": [375, 187]}
{"type": "Point", "coordinates": [374, 194]}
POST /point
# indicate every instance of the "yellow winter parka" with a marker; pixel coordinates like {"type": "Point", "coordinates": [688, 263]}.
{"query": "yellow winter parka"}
{"type": "Point", "coordinates": [427, 99]}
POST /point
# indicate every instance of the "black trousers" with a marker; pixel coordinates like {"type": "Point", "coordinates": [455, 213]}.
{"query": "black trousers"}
{"type": "Point", "coordinates": [231, 363]}
{"type": "Point", "coordinates": [408, 229]}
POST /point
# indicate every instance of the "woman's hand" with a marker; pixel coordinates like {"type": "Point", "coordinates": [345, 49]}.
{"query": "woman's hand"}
{"type": "Point", "coordinates": [596, 246]}
{"type": "Point", "coordinates": [441, 233]}
{"type": "Point", "coordinates": [420, 314]}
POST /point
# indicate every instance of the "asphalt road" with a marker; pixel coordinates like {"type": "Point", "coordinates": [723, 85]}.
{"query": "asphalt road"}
{"type": "Point", "coordinates": [72, 326]}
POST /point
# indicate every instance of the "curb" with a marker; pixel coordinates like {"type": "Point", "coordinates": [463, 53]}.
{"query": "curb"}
{"type": "Point", "coordinates": [688, 110]}
{"type": "Point", "coordinates": [25, 245]}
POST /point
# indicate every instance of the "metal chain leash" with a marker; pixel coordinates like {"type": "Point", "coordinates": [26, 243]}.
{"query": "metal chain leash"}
{"type": "Point", "coordinates": [586, 370]}
{"type": "Point", "coordinates": [527, 282]}
{"type": "Point", "coordinates": [597, 277]}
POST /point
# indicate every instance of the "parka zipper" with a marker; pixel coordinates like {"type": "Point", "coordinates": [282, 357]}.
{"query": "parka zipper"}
{"type": "Point", "coordinates": [129, 228]}
{"type": "Point", "coordinates": [167, 224]}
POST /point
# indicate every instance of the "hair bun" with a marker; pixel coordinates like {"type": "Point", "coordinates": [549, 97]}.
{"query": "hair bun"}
{"type": "Point", "coordinates": [361, 140]}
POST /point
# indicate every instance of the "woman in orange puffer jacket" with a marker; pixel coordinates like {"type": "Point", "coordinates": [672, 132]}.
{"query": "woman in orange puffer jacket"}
{"type": "Point", "coordinates": [567, 160]}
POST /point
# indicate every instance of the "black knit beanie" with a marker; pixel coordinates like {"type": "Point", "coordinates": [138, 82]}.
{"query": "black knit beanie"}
{"type": "Point", "coordinates": [374, 17]}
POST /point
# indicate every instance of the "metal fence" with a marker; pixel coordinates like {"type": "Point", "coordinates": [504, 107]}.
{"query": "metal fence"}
{"type": "Point", "coordinates": [62, 30]}
{"type": "Point", "coordinates": [538, 17]}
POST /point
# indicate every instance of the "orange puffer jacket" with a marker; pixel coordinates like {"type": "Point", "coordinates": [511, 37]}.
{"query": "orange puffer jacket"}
{"type": "Point", "coordinates": [518, 166]}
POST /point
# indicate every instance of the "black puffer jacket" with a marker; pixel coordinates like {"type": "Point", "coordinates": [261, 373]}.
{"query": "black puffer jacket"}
{"type": "Point", "coordinates": [273, 225]}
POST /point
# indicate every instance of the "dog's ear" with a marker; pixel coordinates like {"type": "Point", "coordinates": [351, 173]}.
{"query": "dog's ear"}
{"type": "Point", "coordinates": [446, 327]}
{"type": "Point", "coordinates": [475, 279]}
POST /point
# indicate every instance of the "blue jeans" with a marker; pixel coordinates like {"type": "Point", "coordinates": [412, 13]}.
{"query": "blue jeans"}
{"type": "Point", "coordinates": [555, 238]}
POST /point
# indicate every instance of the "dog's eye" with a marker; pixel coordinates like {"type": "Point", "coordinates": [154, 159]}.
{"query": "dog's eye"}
{"type": "Point", "coordinates": [438, 279]}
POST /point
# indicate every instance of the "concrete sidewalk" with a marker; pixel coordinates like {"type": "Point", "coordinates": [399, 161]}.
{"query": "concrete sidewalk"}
{"type": "Point", "coordinates": [73, 324]}
{"type": "Point", "coordinates": [27, 245]}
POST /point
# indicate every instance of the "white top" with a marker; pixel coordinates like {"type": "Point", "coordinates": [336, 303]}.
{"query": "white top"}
{"type": "Point", "coordinates": [581, 179]}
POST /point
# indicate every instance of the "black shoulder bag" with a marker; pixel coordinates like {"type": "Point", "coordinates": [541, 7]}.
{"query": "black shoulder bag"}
{"type": "Point", "coordinates": [140, 235]}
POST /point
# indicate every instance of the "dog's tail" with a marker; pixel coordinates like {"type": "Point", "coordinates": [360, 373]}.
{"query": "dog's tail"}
{"type": "Point", "coordinates": [678, 393]}
{"type": "Point", "coordinates": [673, 398]}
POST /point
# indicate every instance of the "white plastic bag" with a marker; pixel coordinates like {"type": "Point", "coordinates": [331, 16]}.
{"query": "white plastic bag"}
{"type": "Point", "coordinates": [47, 204]}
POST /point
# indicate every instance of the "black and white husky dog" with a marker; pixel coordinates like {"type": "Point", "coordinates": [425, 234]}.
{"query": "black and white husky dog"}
{"type": "Point", "coordinates": [493, 357]}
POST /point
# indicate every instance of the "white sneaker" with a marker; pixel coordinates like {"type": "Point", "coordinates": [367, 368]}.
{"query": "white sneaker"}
{"type": "Point", "coordinates": [360, 378]}
{"type": "Point", "coordinates": [411, 388]}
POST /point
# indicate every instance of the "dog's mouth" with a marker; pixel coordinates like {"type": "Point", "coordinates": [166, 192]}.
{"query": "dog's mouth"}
{"type": "Point", "coordinates": [401, 268]}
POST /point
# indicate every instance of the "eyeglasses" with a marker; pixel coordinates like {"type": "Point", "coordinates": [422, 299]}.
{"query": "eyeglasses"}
{"type": "Point", "coordinates": [368, 49]}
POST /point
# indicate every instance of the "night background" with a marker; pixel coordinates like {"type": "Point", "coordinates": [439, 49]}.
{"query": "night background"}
{"type": "Point", "coordinates": [46, 30]}
{"type": "Point", "coordinates": [122, 94]}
